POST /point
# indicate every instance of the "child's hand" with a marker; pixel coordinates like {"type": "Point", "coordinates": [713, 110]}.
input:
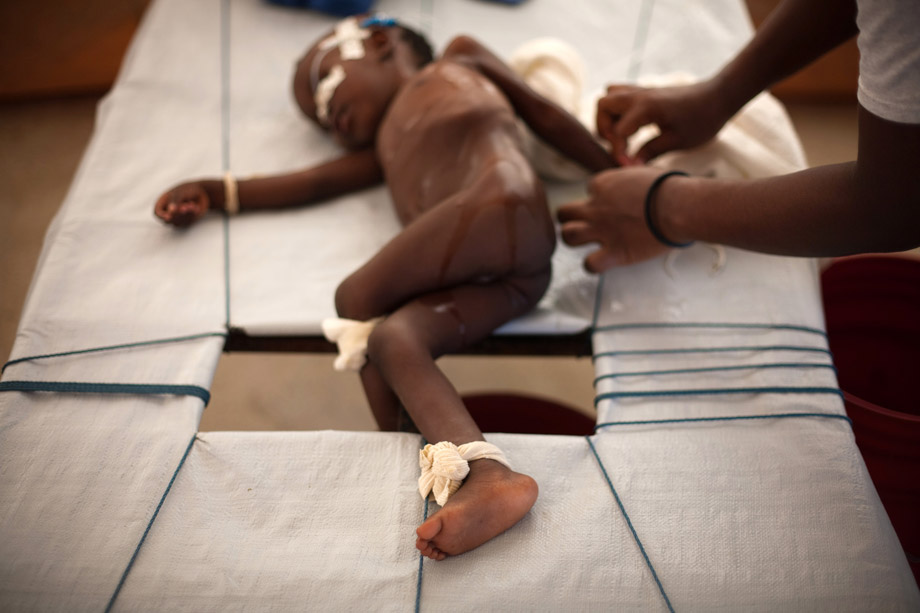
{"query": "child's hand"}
{"type": "Point", "coordinates": [183, 205]}
{"type": "Point", "coordinates": [686, 116]}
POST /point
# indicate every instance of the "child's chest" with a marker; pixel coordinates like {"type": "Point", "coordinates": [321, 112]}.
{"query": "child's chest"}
{"type": "Point", "coordinates": [444, 108]}
{"type": "Point", "coordinates": [438, 130]}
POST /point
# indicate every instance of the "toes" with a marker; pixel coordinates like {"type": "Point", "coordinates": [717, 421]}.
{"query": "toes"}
{"type": "Point", "coordinates": [427, 549]}
{"type": "Point", "coordinates": [435, 554]}
{"type": "Point", "coordinates": [429, 529]}
{"type": "Point", "coordinates": [426, 532]}
{"type": "Point", "coordinates": [423, 546]}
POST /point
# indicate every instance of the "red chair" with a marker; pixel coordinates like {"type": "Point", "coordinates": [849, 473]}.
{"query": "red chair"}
{"type": "Point", "coordinates": [524, 414]}
{"type": "Point", "coordinates": [872, 309]}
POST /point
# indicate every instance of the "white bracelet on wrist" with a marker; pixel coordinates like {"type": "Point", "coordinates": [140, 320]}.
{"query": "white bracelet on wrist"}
{"type": "Point", "coordinates": [231, 194]}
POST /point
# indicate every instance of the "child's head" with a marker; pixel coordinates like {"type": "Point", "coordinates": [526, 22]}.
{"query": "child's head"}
{"type": "Point", "coordinates": [347, 79]}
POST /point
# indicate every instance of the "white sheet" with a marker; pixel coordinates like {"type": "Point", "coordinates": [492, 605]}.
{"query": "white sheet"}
{"type": "Point", "coordinates": [730, 517]}
{"type": "Point", "coordinates": [81, 477]}
{"type": "Point", "coordinates": [761, 514]}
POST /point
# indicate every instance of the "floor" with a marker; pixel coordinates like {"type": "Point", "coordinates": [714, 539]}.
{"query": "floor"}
{"type": "Point", "coordinates": [41, 144]}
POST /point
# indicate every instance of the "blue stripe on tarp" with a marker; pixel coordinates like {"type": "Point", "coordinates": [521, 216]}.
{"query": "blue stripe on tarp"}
{"type": "Point", "coordinates": [616, 497]}
{"type": "Point", "coordinates": [718, 391]}
{"type": "Point", "coordinates": [153, 518]}
{"type": "Point", "coordinates": [160, 341]}
{"type": "Point", "coordinates": [225, 137]}
{"type": "Point", "coordinates": [73, 387]}
{"type": "Point", "coordinates": [683, 420]}
{"type": "Point", "coordinates": [421, 560]}
{"type": "Point", "coordinates": [710, 325]}
{"type": "Point", "coordinates": [682, 350]}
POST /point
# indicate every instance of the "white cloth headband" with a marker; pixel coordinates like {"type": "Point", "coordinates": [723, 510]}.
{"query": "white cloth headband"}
{"type": "Point", "coordinates": [325, 90]}
{"type": "Point", "coordinates": [349, 38]}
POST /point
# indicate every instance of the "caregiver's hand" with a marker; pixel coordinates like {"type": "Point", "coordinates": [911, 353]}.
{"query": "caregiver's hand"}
{"type": "Point", "coordinates": [687, 116]}
{"type": "Point", "coordinates": [613, 216]}
{"type": "Point", "coordinates": [183, 205]}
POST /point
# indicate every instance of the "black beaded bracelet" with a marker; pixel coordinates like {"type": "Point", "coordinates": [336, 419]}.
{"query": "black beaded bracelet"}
{"type": "Point", "coordinates": [649, 199]}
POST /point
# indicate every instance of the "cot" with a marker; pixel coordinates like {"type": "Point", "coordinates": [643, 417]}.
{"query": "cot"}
{"type": "Point", "coordinates": [722, 474]}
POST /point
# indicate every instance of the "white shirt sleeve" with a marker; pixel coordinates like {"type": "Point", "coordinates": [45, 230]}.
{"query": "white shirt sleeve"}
{"type": "Point", "coordinates": [889, 63]}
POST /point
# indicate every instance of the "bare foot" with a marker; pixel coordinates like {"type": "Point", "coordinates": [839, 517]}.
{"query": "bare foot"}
{"type": "Point", "coordinates": [492, 499]}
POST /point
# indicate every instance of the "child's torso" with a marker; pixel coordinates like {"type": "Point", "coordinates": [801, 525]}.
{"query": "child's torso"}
{"type": "Point", "coordinates": [447, 126]}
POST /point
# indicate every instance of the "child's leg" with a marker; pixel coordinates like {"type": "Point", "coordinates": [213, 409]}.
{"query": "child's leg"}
{"type": "Point", "coordinates": [403, 348]}
{"type": "Point", "coordinates": [383, 401]}
{"type": "Point", "coordinates": [482, 232]}
{"type": "Point", "coordinates": [385, 405]}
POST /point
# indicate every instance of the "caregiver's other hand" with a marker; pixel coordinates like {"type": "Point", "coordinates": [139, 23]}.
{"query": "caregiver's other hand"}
{"type": "Point", "coordinates": [686, 116]}
{"type": "Point", "coordinates": [613, 216]}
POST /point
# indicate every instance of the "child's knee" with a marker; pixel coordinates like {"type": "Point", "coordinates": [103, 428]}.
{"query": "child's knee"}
{"type": "Point", "coordinates": [350, 302]}
{"type": "Point", "coordinates": [535, 286]}
{"type": "Point", "coordinates": [393, 341]}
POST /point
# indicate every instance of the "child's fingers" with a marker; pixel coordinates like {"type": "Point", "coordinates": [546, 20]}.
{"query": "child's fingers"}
{"type": "Point", "coordinates": [182, 219]}
{"type": "Point", "coordinates": [162, 207]}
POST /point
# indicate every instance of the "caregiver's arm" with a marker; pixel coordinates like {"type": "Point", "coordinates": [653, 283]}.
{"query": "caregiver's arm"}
{"type": "Point", "coordinates": [796, 33]}
{"type": "Point", "coordinates": [872, 204]}
{"type": "Point", "coordinates": [186, 203]}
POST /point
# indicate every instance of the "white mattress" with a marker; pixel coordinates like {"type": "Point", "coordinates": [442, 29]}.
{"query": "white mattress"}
{"type": "Point", "coordinates": [113, 499]}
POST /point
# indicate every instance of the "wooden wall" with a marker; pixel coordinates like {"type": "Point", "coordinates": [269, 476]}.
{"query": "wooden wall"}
{"type": "Point", "coordinates": [63, 47]}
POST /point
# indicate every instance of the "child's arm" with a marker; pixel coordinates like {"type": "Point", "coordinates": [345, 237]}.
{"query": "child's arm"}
{"type": "Point", "coordinates": [547, 119]}
{"type": "Point", "coordinates": [186, 203]}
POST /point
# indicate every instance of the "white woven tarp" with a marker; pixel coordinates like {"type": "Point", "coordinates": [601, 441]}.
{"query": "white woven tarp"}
{"type": "Point", "coordinates": [113, 499]}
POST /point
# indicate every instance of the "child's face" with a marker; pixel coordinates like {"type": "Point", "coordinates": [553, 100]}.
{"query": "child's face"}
{"type": "Point", "coordinates": [346, 96]}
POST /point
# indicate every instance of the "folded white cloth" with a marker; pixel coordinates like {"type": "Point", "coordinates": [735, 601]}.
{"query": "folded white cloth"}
{"type": "Point", "coordinates": [556, 71]}
{"type": "Point", "coordinates": [754, 143]}
{"type": "Point", "coordinates": [351, 337]}
{"type": "Point", "coordinates": [445, 466]}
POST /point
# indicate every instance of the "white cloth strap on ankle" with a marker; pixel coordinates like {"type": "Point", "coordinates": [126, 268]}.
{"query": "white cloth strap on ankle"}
{"type": "Point", "coordinates": [351, 337]}
{"type": "Point", "coordinates": [445, 466]}
{"type": "Point", "coordinates": [231, 194]}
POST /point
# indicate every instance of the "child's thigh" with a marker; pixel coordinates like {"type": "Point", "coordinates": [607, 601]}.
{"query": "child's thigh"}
{"type": "Point", "coordinates": [460, 241]}
{"type": "Point", "coordinates": [448, 320]}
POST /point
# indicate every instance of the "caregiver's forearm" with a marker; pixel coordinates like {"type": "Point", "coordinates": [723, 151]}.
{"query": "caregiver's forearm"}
{"type": "Point", "coordinates": [795, 34]}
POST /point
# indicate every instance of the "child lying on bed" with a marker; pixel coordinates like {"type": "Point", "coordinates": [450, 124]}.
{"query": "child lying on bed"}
{"type": "Point", "coordinates": [474, 252]}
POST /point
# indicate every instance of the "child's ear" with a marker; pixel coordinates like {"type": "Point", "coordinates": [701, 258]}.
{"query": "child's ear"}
{"type": "Point", "coordinates": [380, 42]}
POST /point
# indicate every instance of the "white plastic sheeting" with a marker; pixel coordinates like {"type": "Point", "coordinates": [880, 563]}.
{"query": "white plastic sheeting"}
{"type": "Point", "coordinates": [114, 500]}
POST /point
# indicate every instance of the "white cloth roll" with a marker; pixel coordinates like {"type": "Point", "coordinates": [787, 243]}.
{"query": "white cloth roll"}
{"type": "Point", "coordinates": [445, 466]}
{"type": "Point", "coordinates": [351, 337]}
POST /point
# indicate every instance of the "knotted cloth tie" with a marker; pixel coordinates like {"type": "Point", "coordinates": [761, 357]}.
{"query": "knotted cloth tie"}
{"type": "Point", "coordinates": [351, 337]}
{"type": "Point", "coordinates": [445, 466]}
